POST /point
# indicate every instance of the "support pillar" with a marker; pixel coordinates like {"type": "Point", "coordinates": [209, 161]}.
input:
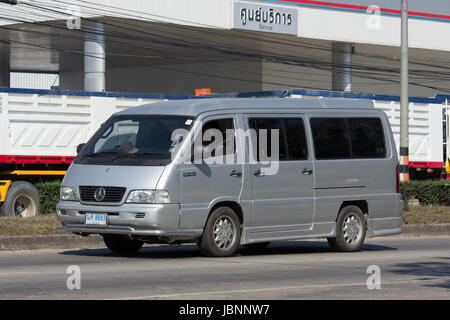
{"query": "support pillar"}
{"type": "Point", "coordinates": [4, 77]}
{"type": "Point", "coordinates": [341, 66]}
{"type": "Point", "coordinates": [404, 97]}
{"type": "Point", "coordinates": [4, 66]}
{"type": "Point", "coordinates": [94, 56]}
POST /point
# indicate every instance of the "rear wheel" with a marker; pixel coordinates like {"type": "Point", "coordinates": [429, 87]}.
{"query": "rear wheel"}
{"type": "Point", "coordinates": [350, 230]}
{"type": "Point", "coordinates": [122, 244]}
{"type": "Point", "coordinates": [22, 200]}
{"type": "Point", "coordinates": [222, 233]}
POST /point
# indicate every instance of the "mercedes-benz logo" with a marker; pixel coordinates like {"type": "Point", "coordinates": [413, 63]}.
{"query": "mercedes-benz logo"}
{"type": "Point", "coordinates": [99, 194]}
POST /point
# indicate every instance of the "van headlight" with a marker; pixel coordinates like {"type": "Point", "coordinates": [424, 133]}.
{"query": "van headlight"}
{"type": "Point", "coordinates": [148, 196]}
{"type": "Point", "coordinates": [69, 194]}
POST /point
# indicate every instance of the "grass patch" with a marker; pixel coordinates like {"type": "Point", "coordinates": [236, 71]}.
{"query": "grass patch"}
{"type": "Point", "coordinates": [428, 214]}
{"type": "Point", "coordinates": [18, 226]}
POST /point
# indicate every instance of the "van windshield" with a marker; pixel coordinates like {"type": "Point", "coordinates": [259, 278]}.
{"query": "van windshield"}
{"type": "Point", "coordinates": [136, 140]}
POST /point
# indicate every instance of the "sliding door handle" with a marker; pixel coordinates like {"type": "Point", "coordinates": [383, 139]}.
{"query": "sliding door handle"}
{"type": "Point", "coordinates": [236, 173]}
{"type": "Point", "coordinates": [259, 173]}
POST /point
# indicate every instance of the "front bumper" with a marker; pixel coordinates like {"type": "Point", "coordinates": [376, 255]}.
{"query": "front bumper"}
{"type": "Point", "coordinates": [156, 220]}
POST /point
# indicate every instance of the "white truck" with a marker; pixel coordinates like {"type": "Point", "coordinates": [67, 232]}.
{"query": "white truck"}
{"type": "Point", "coordinates": [40, 131]}
{"type": "Point", "coordinates": [39, 134]}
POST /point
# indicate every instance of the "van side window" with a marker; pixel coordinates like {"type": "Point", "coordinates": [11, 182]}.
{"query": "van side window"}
{"type": "Point", "coordinates": [345, 138]}
{"type": "Point", "coordinates": [222, 125]}
{"type": "Point", "coordinates": [367, 138]}
{"type": "Point", "coordinates": [296, 139]}
{"type": "Point", "coordinates": [292, 137]}
{"type": "Point", "coordinates": [331, 139]}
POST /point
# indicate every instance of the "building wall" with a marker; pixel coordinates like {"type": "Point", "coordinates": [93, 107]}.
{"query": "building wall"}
{"type": "Point", "coordinates": [315, 21]}
{"type": "Point", "coordinates": [226, 76]}
{"type": "Point", "coordinates": [222, 78]}
{"type": "Point", "coordinates": [285, 77]}
{"type": "Point", "coordinates": [434, 6]}
{"type": "Point", "coordinates": [356, 27]}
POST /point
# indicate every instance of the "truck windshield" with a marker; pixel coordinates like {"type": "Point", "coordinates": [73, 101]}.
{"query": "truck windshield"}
{"type": "Point", "coordinates": [136, 140]}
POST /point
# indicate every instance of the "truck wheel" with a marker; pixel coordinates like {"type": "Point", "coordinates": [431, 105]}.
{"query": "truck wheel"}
{"type": "Point", "coordinates": [350, 230]}
{"type": "Point", "coordinates": [21, 200]}
{"type": "Point", "coordinates": [122, 244]}
{"type": "Point", "coordinates": [222, 233]}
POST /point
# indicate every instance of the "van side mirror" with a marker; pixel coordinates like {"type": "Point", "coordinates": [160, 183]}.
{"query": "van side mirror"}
{"type": "Point", "coordinates": [80, 147]}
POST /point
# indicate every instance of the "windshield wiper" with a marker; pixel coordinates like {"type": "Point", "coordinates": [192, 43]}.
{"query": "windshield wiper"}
{"type": "Point", "coordinates": [99, 154]}
{"type": "Point", "coordinates": [139, 154]}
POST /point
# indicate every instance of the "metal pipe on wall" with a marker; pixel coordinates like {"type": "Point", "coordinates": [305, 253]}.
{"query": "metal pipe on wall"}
{"type": "Point", "coordinates": [341, 66]}
{"type": "Point", "coordinates": [94, 56]}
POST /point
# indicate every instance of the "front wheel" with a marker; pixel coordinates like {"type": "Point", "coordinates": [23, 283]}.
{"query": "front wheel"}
{"type": "Point", "coordinates": [222, 233]}
{"type": "Point", "coordinates": [122, 244]}
{"type": "Point", "coordinates": [350, 230]}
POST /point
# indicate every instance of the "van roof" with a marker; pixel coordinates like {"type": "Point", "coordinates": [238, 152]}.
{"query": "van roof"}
{"type": "Point", "coordinates": [194, 107]}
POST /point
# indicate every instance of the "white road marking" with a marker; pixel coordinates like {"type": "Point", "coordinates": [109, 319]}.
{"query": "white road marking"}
{"type": "Point", "coordinates": [193, 294]}
{"type": "Point", "coordinates": [20, 272]}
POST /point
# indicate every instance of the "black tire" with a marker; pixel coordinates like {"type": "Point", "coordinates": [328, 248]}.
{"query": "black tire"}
{"type": "Point", "coordinates": [256, 246]}
{"type": "Point", "coordinates": [226, 218]}
{"type": "Point", "coordinates": [350, 218]}
{"type": "Point", "coordinates": [22, 199]}
{"type": "Point", "coordinates": [122, 245]}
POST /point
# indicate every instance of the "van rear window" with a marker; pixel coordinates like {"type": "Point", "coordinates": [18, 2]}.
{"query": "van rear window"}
{"type": "Point", "coordinates": [345, 138]}
{"type": "Point", "coordinates": [367, 139]}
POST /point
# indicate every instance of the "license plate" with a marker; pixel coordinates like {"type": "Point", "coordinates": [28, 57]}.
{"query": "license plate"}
{"type": "Point", "coordinates": [96, 218]}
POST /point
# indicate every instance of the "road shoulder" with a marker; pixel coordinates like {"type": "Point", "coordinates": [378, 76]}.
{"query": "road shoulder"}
{"type": "Point", "coordinates": [71, 241]}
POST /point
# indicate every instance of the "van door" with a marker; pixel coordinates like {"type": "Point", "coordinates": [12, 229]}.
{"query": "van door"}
{"type": "Point", "coordinates": [215, 177]}
{"type": "Point", "coordinates": [282, 201]}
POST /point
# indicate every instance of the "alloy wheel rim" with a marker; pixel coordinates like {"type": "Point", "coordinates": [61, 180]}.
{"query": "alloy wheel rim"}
{"type": "Point", "coordinates": [351, 229]}
{"type": "Point", "coordinates": [224, 233]}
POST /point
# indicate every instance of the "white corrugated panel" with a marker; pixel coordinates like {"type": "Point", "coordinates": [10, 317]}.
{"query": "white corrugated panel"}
{"type": "Point", "coordinates": [26, 80]}
{"type": "Point", "coordinates": [54, 125]}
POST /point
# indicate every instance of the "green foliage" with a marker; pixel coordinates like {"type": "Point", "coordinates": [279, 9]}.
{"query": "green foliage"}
{"type": "Point", "coordinates": [427, 192]}
{"type": "Point", "coordinates": [49, 194]}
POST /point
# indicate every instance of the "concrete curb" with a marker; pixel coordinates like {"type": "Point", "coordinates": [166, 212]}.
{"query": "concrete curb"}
{"type": "Point", "coordinates": [63, 241]}
{"type": "Point", "coordinates": [426, 229]}
{"type": "Point", "coordinates": [70, 241]}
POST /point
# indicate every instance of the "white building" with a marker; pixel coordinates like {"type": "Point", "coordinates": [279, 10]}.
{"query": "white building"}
{"type": "Point", "coordinates": [175, 46]}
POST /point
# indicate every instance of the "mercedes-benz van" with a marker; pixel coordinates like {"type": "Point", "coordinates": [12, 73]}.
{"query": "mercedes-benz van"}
{"type": "Point", "coordinates": [228, 172]}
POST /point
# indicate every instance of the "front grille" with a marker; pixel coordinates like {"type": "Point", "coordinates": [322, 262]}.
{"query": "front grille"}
{"type": "Point", "coordinates": [112, 194]}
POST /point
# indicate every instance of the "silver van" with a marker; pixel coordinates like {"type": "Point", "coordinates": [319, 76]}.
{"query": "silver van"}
{"type": "Point", "coordinates": [228, 172]}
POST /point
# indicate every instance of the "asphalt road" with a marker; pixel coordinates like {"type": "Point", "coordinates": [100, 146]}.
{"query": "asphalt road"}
{"type": "Point", "coordinates": [411, 268]}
